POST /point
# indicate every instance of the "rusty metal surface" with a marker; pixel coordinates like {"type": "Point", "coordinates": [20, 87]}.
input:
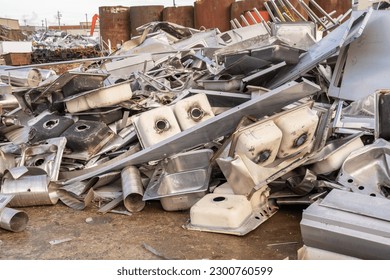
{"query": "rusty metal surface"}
{"type": "Point", "coordinates": [140, 15]}
{"type": "Point", "coordinates": [114, 24]}
{"type": "Point", "coordinates": [213, 14]}
{"type": "Point", "coordinates": [183, 15]}
{"type": "Point", "coordinates": [340, 6]}
{"type": "Point", "coordinates": [299, 8]}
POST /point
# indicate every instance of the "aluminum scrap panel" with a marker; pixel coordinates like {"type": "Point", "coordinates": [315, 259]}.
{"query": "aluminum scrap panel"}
{"type": "Point", "coordinates": [342, 36]}
{"type": "Point", "coordinates": [367, 62]}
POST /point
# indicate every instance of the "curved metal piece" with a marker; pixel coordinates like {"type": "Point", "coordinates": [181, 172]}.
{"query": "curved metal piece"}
{"type": "Point", "coordinates": [13, 220]}
{"type": "Point", "coordinates": [132, 189]}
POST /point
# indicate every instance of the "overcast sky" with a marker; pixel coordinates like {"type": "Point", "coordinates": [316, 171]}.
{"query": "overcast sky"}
{"type": "Point", "coordinates": [32, 12]}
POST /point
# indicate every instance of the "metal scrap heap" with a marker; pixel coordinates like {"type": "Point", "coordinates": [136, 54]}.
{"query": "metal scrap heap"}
{"type": "Point", "coordinates": [229, 126]}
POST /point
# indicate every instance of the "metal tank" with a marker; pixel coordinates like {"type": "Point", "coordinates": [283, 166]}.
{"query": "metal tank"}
{"type": "Point", "coordinates": [213, 14]}
{"type": "Point", "coordinates": [114, 24]}
{"type": "Point", "coordinates": [140, 15]}
{"type": "Point", "coordinates": [183, 15]}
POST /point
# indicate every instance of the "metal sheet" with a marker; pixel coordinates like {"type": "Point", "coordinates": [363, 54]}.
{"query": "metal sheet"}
{"type": "Point", "coordinates": [205, 131]}
{"type": "Point", "coordinates": [346, 233]}
{"type": "Point", "coordinates": [341, 36]}
{"type": "Point", "coordinates": [367, 61]}
{"type": "Point", "coordinates": [356, 203]}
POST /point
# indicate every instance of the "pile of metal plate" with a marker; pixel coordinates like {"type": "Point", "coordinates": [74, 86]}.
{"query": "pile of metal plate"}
{"type": "Point", "coordinates": [229, 126]}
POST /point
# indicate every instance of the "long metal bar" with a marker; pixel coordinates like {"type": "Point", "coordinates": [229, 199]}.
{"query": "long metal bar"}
{"type": "Point", "coordinates": [286, 10]}
{"type": "Point", "coordinates": [272, 16]}
{"type": "Point", "coordinates": [319, 8]}
{"type": "Point", "coordinates": [237, 23]}
{"type": "Point", "coordinates": [295, 10]}
{"type": "Point", "coordinates": [262, 20]}
{"type": "Point", "coordinates": [311, 14]}
{"type": "Point", "coordinates": [249, 14]}
{"type": "Point", "coordinates": [277, 10]}
{"type": "Point", "coordinates": [79, 60]}
{"type": "Point", "coordinates": [234, 26]}
{"type": "Point", "coordinates": [244, 20]}
{"type": "Point", "coordinates": [203, 132]}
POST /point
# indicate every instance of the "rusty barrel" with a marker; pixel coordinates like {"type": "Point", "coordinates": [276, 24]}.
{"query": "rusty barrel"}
{"type": "Point", "coordinates": [114, 24]}
{"type": "Point", "coordinates": [140, 15]}
{"type": "Point", "coordinates": [183, 15]}
{"type": "Point", "coordinates": [213, 14]}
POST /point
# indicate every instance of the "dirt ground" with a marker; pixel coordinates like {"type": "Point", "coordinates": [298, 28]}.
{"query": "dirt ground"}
{"type": "Point", "coordinates": [150, 234]}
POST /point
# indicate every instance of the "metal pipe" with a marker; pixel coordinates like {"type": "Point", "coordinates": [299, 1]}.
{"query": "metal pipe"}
{"type": "Point", "coordinates": [133, 190]}
{"type": "Point", "coordinates": [237, 23]}
{"type": "Point", "coordinates": [249, 14]}
{"type": "Point", "coordinates": [286, 10]}
{"type": "Point", "coordinates": [277, 10]}
{"type": "Point", "coordinates": [288, 18]}
{"type": "Point", "coordinates": [345, 15]}
{"type": "Point", "coordinates": [234, 26]}
{"type": "Point", "coordinates": [311, 14]}
{"type": "Point", "coordinates": [262, 20]}
{"type": "Point", "coordinates": [20, 77]}
{"type": "Point", "coordinates": [269, 12]}
{"type": "Point", "coordinates": [321, 10]}
{"type": "Point", "coordinates": [244, 20]}
{"type": "Point", "coordinates": [295, 10]}
{"type": "Point", "coordinates": [13, 220]}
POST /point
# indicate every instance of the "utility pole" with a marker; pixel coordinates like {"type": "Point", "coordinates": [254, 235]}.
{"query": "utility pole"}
{"type": "Point", "coordinates": [59, 15]}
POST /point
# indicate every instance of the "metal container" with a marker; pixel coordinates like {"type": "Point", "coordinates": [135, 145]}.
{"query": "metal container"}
{"type": "Point", "coordinates": [13, 220]}
{"type": "Point", "coordinates": [156, 125]}
{"type": "Point", "coordinates": [213, 14]}
{"type": "Point", "coordinates": [180, 181]}
{"type": "Point", "coordinates": [140, 15]}
{"type": "Point", "coordinates": [193, 110]}
{"type": "Point", "coordinates": [341, 7]}
{"type": "Point", "coordinates": [132, 189]}
{"type": "Point", "coordinates": [114, 24]}
{"type": "Point", "coordinates": [221, 211]}
{"type": "Point", "coordinates": [183, 15]}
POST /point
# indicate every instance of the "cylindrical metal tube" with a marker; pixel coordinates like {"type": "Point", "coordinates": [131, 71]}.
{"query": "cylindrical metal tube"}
{"type": "Point", "coordinates": [132, 188]}
{"type": "Point", "coordinates": [28, 77]}
{"type": "Point", "coordinates": [30, 191]}
{"type": "Point", "coordinates": [13, 220]}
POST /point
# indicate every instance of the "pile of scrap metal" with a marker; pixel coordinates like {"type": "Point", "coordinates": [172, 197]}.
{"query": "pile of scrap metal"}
{"type": "Point", "coordinates": [229, 126]}
{"type": "Point", "coordinates": [52, 46]}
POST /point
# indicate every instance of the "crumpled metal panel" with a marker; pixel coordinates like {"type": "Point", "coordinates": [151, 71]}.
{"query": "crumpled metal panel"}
{"type": "Point", "coordinates": [366, 170]}
{"type": "Point", "coordinates": [341, 36]}
{"type": "Point", "coordinates": [338, 227]}
{"type": "Point", "coordinates": [367, 61]}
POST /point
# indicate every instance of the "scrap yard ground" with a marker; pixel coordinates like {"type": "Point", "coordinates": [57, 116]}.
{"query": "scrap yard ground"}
{"type": "Point", "coordinates": [150, 234]}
